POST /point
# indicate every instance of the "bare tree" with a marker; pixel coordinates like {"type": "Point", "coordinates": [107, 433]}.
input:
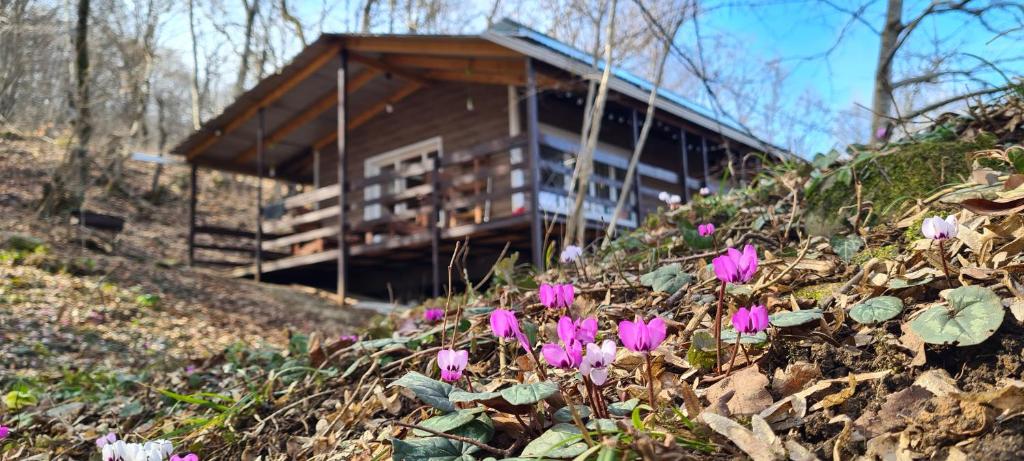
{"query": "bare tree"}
{"type": "Point", "coordinates": [627, 183]}
{"type": "Point", "coordinates": [196, 101]}
{"type": "Point", "coordinates": [575, 229]}
{"type": "Point", "coordinates": [251, 8]}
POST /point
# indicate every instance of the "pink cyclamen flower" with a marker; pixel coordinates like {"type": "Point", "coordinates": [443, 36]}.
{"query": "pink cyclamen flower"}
{"type": "Point", "coordinates": [704, 191]}
{"type": "Point", "coordinates": [547, 295]}
{"type": "Point", "coordinates": [595, 363]}
{"type": "Point", "coordinates": [556, 296]}
{"type": "Point", "coordinates": [736, 267]}
{"type": "Point", "coordinates": [104, 440]}
{"type": "Point", "coordinates": [750, 321]}
{"type": "Point", "coordinates": [937, 228]}
{"type": "Point", "coordinates": [4, 432]}
{"type": "Point", "coordinates": [433, 315]}
{"type": "Point", "coordinates": [349, 338]}
{"type": "Point", "coordinates": [640, 337]}
{"type": "Point", "coordinates": [568, 356]}
{"type": "Point", "coordinates": [566, 294]}
{"type": "Point", "coordinates": [188, 457]}
{"type": "Point", "coordinates": [705, 230]}
{"type": "Point", "coordinates": [452, 363]}
{"type": "Point", "coordinates": [570, 254]}
{"type": "Point", "coordinates": [505, 325]}
{"type": "Point", "coordinates": [581, 330]}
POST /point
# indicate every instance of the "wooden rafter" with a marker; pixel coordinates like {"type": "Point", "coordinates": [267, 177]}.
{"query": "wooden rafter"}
{"type": "Point", "coordinates": [477, 77]}
{"type": "Point", "coordinates": [274, 95]}
{"type": "Point", "coordinates": [311, 112]}
{"type": "Point", "coordinates": [439, 46]}
{"type": "Point", "coordinates": [502, 65]}
{"type": "Point", "coordinates": [365, 116]}
{"type": "Point", "coordinates": [385, 67]}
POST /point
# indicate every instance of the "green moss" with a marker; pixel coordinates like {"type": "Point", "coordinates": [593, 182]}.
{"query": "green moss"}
{"type": "Point", "coordinates": [817, 292]}
{"type": "Point", "coordinates": [699, 358]}
{"type": "Point", "coordinates": [887, 252]}
{"type": "Point", "coordinates": [894, 179]}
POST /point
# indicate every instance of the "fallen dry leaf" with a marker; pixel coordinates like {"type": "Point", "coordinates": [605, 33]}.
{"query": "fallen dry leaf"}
{"type": "Point", "coordinates": [743, 393]}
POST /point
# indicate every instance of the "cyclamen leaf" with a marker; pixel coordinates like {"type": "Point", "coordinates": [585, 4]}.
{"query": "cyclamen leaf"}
{"type": "Point", "coordinates": [795, 318]}
{"type": "Point", "coordinates": [846, 246]}
{"type": "Point", "coordinates": [430, 391]}
{"type": "Point", "coordinates": [449, 421]}
{"type": "Point", "coordinates": [564, 414]}
{"type": "Point", "coordinates": [973, 315]}
{"type": "Point", "coordinates": [623, 408]}
{"type": "Point", "coordinates": [528, 394]}
{"type": "Point", "coordinates": [561, 441]}
{"type": "Point", "coordinates": [666, 279]}
{"type": "Point", "coordinates": [877, 310]}
{"type": "Point", "coordinates": [432, 449]}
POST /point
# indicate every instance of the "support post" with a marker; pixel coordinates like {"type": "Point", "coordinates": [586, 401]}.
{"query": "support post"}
{"type": "Point", "coordinates": [533, 148]}
{"type": "Point", "coordinates": [636, 174]}
{"type": "Point", "coordinates": [704, 155]}
{"type": "Point", "coordinates": [435, 230]}
{"type": "Point", "coordinates": [316, 175]}
{"type": "Point", "coordinates": [260, 130]}
{"type": "Point", "coordinates": [192, 202]}
{"type": "Point", "coordinates": [342, 158]}
{"type": "Point", "coordinates": [686, 165]}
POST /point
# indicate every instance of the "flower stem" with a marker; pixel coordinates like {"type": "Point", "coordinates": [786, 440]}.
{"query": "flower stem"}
{"type": "Point", "coordinates": [469, 385]}
{"type": "Point", "coordinates": [650, 379]}
{"type": "Point", "coordinates": [718, 330]}
{"type": "Point", "coordinates": [735, 352]}
{"type": "Point", "coordinates": [945, 268]}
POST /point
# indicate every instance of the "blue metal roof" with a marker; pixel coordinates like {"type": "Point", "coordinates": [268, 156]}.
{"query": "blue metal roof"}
{"type": "Point", "coordinates": [509, 27]}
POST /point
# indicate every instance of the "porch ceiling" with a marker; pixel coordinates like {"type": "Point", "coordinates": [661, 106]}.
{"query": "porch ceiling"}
{"type": "Point", "coordinates": [300, 102]}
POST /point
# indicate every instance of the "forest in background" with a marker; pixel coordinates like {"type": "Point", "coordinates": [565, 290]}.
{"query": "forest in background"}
{"type": "Point", "coordinates": [156, 69]}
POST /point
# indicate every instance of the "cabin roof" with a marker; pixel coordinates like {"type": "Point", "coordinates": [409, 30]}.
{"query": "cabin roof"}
{"type": "Point", "coordinates": [299, 101]}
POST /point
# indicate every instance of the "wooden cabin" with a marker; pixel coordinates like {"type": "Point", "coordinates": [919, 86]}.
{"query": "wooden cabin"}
{"type": "Point", "coordinates": [426, 140]}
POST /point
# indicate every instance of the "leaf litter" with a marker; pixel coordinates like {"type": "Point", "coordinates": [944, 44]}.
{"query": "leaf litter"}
{"type": "Point", "coordinates": [858, 361]}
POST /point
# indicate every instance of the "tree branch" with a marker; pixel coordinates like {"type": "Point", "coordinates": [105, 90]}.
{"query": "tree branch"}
{"type": "Point", "coordinates": [458, 438]}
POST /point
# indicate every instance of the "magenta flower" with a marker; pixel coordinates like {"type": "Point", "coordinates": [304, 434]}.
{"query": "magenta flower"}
{"type": "Point", "coordinates": [705, 230]}
{"type": "Point", "coordinates": [433, 315]}
{"type": "Point", "coordinates": [736, 267]}
{"type": "Point", "coordinates": [4, 432]}
{"type": "Point", "coordinates": [452, 363]}
{"type": "Point", "coordinates": [188, 457]}
{"type": "Point", "coordinates": [556, 296]}
{"type": "Point", "coordinates": [640, 337]}
{"type": "Point", "coordinates": [505, 325]}
{"type": "Point", "coordinates": [349, 338]}
{"type": "Point", "coordinates": [581, 330]}
{"type": "Point", "coordinates": [103, 440]}
{"type": "Point", "coordinates": [566, 294]}
{"type": "Point", "coordinates": [595, 363]}
{"type": "Point", "coordinates": [750, 321]}
{"type": "Point", "coordinates": [547, 295]}
{"type": "Point", "coordinates": [568, 356]}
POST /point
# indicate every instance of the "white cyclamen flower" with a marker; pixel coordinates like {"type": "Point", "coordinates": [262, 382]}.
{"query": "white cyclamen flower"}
{"type": "Point", "coordinates": [937, 228]}
{"type": "Point", "coordinates": [674, 199]}
{"type": "Point", "coordinates": [571, 253]}
{"type": "Point", "coordinates": [595, 363]}
{"type": "Point", "coordinates": [156, 450]}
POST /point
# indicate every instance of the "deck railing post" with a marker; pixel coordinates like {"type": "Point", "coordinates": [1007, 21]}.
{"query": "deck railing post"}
{"type": "Point", "coordinates": [192, 202]}
{"type": "Point", "coordinates": [435, 229]}
{"type": "Point", "coordinates": [636, 174]}
{"type": "Point", "coordinates": [260, 127]}
{"type": "Point", "coordinates": [686, 164]}
{"type": "Point", "coordinates": [316, 175]}
{"type": "Point", "coordinates": [533, 148]}
{"type": "Point", "coordinates": [704, 155]}
{"type": "Point", "coordinates": [342, 158]}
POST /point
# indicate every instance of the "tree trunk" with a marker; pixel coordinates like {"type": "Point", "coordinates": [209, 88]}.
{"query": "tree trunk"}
{"type": "Point", "coordinates": [627, 183]}
{"type": "Point", "coordinates": [575, 229]}
{"type": "Point", "coordinates": [196, 118]}
{"type": "Point", "coordinates": [243, 62]}
{"type": "Point", "coordinates": [881, 104]}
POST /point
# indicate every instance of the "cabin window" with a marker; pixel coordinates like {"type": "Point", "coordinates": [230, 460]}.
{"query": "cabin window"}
{"type": "Point", "coordinates": [558, 159]}
{"type": "Point", "coordinates": [408, 168]}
